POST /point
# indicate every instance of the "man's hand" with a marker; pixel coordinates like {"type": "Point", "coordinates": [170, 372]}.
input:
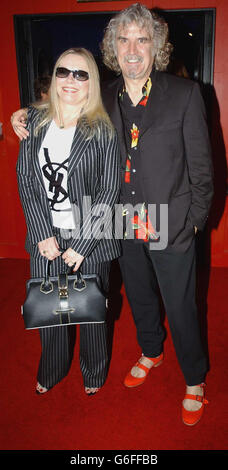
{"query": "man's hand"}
{"type": "Point", "coordinates": [18, 121]}
{"type": "Point", "coordinates": [71, 257]}
{"type": "Point", "coordinates": [49, 248]}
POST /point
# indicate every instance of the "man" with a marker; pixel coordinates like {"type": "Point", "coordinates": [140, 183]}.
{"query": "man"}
{"type": "Point", "coordinates": [166, 162]}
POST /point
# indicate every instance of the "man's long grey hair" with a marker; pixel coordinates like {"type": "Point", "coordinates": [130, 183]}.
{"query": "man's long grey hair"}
{"type": "Point", "coordinates": [156, 27]}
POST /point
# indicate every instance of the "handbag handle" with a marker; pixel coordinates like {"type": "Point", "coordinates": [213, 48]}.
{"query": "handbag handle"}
{"type": "Point", "coordinates": [47, 286]}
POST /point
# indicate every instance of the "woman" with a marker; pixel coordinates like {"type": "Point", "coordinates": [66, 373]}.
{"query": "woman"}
{"type": "Point", "coordinates": [67, 168]}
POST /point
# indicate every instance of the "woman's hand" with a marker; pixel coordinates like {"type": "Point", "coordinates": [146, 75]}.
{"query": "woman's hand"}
{"type": "Point", "coordinates": [71, 257]}
{"type": "Point", "coordinates": [18, 121]}
{"type": "Point", "coordinates": [49, 248]}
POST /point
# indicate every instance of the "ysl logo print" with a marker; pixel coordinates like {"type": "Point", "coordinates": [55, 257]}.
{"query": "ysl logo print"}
{"type": "Point", "coordinates": [52, 172]}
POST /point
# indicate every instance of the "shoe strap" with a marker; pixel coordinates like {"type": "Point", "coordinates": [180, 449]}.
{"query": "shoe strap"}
{"type": "Point", "coordinates": [141, 366]}
{"type": "Point", "coordinates": [155, 359]}
{"type": "Point", "coordinates": [197, 398]}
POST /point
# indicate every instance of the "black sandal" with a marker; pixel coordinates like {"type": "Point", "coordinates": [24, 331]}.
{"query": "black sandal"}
{"type": "Point", "coordinates": [91, 393]}
{"type": "Point", "coordinates": [40, 390]}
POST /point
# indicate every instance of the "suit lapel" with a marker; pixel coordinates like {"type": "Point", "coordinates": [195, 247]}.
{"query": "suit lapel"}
{"type": "Point", "coordinates": [111, 102]}
{"type": "Point", "coordinates": [79, 145]}
{"type": "Point", "coordinates": [154, 104]}
{"type": "Point", "coordinates": [37, 141]}
{"type": "Point", "coordinates": [152, 110]}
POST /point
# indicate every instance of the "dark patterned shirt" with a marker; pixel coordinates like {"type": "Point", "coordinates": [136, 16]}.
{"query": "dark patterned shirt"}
{"type": "Point", "coordinates": [132, 192]}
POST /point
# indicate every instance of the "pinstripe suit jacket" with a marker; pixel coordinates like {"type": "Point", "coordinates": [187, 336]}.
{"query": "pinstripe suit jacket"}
{"type": "Point", "coordinates": [93, 171]}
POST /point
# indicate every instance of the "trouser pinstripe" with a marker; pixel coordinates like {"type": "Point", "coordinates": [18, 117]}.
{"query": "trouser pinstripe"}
{"type": "Point", "coordinates": [57, 342]}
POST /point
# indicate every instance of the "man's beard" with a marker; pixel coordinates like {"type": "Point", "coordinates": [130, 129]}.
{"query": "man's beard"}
{"type": "Point", "coordinates": [131, 71]}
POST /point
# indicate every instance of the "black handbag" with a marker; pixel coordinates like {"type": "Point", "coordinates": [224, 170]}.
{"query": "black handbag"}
{"type": "Point", "coordinates": [63, 300]}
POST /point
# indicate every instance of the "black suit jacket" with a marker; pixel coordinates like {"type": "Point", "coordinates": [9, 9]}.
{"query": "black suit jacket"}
{"type": "Point", "coordinates": [175, 152]}
{"type": "Point", "coordinates": [93, 171]}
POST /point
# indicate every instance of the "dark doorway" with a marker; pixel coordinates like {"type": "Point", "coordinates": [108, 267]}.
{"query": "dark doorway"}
{"type": "Point", "coordinates": [40, 39]}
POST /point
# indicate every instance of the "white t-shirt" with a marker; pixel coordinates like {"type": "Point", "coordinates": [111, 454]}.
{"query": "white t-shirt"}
{"type": "Point", "coordinates": [53, 158]}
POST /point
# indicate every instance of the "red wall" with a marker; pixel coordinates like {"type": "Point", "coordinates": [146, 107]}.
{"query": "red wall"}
{"type": "Point", "coordinates": [12, 229]}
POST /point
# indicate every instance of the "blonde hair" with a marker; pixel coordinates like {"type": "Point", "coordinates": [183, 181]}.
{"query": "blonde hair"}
{"type": "Point", "coordinates": [156, 27]}
{"type": "Point", "coordinates": [92, 114]}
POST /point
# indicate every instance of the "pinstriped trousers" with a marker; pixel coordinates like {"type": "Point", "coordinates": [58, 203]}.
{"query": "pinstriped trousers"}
{"type": "Point", "coordinates": [57, 342]}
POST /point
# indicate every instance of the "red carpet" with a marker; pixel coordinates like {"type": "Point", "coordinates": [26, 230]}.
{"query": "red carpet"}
{"type": "Point", "coordinates": [146, 418]}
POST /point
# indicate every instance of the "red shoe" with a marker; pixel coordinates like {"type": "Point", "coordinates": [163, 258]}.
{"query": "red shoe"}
{"type": "Point", "coordinates": [131, 381]}
{"type": "Point", "coordinates": [192, 417]}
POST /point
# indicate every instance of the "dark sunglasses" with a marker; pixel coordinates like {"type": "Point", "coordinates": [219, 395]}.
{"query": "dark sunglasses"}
{"type": "Point", "coordinates": [81, 75]}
